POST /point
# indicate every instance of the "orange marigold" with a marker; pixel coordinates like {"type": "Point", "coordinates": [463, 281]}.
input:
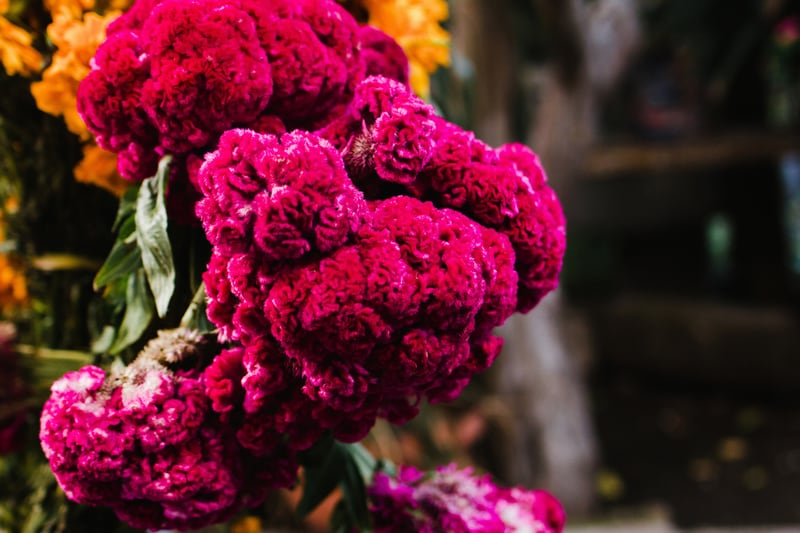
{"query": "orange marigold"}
{"type": "Point", "coordinates": [99, 167]}
{"type": "Point", "coordinates": [77, 41]}
{"type": "Point", "coordinates": [16, 52]}
{"type": "Point", "coordinates": [414, 24]}
{"type": "Point", "coordinates": [13, 286]}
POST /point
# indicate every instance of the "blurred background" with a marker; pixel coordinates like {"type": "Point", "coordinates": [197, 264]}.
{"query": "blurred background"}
{"type": "Point", "coordinates": [658, 387]}
{"type": "Point", "coordinates": [660, 382]}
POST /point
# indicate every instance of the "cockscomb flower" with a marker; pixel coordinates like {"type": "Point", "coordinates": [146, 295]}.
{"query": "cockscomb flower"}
{"type": "Point", "coordinates": [382, 55]}
{"type": "Point", "coordinates": [346, 310]}
{"type": "Point", "coordinates": [393, 144]}
{"type": "Point", "coordinates": [144, 441]}
{"type": "Point", "coordinates": [455, 500]}
{"type": "Point", "coordinates": [173, 75]}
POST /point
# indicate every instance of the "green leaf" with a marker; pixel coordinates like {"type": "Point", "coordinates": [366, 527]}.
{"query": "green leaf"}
{"type": "Point", "coordinates": [151, 235]}
{"type": "Point", "coordinates": [123, 260]}
{"type": "Point", "coordinates": [195, 316]}
{"type": "Point", "coordinates": [127, 206]}
{"type": "Point", "coordinates": [330, 463]}
{"type": "Point", "coordinates": [138, 312]}
{"type": "Point", "coordinates": [324, 466]}
{"type": "Point", "coordinates": [354, 495]}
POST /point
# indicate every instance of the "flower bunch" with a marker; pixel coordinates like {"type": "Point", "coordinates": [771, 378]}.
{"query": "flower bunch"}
{"type": "Point", "coordinates": [457, 501]}
{"type": "Point", "coordinates": [363, 250]}
{"type": "Point", "coordinates": [144, 441]}
{"type": "Point", "coordinates": [17, 54]}
{"type": "Point", "coordinates": [173, 75]}
{"type": "Point", "coordinates": [366, 271]}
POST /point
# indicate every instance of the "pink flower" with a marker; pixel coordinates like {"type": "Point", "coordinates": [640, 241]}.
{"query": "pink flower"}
{"type": "Point", "coordinates": [382, 55]}
{"type": "Point", "coordinates": [173, 75]}
{"type": "Point", "coordinates": [456, 501]}
{"type": "Point", "coordinates": [145, 441]}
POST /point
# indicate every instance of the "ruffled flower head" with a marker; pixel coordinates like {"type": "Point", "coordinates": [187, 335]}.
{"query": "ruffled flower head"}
{"type": "Point", "coordinates": [173, 75]}
{"type": "Point", "coordinates": [457, 501]}
{"type": "Point", "coordinates": [347, 309]}
{"type": "Point", "coordinates": [144, 441]}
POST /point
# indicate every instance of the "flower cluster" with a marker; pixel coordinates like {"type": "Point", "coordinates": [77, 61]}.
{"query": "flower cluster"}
{"type": "Point", "coordinates": [455, 500]}
{"type": "Point", "coordinates": [393, 144]}
{"type": "Point", "coordinates": [360, 279]}
{"type": "Point", "coordinates": [144, 441]}
{"type": "Point", "coordinates": [17, 54]}
{"type": "Point", "coordinates": [77, 36]}
{"type": "Point", "coordinates": [173, 75]}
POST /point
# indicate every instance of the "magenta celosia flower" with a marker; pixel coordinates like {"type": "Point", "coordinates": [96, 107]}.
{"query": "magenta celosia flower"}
{"type": "Point", "coordinates": [346, 311]}
{"type": "Point", "coordinates": [393, 144]}
{"type": "Point", "coordinates": [172, 75]}
{"type": "Point", "coordinates": [454, 500]}
{"type": "Point", "coordinates": [383, 56]}
{"type": "Point", "coordinates": [145, 442]}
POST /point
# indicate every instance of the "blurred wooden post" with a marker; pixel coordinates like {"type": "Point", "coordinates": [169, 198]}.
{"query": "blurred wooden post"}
{"type": "Point", "coordinates": [541, 371]}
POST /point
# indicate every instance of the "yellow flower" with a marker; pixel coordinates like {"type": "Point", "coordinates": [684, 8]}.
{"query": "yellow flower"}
{"type": "Point", "coordinates": [77, 41]}
{"type": "Point", "coordinates": [16, 52]}
{"type": "Point", "coordinates": [99, 167]}
{"type": "Point", "coordinates": [414, 24]}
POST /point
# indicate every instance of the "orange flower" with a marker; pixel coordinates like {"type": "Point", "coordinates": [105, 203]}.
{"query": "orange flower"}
{"type": "Point", "coordinates": [414, 24]}
{"type": "Point", "coordinates": [99, 167]}
{"type": "Point", "coordinates": [13, 287]}
{"type": "Point", "coordinates": [77, 41]}
{"type": "Point", "coordinates": [16, 52]}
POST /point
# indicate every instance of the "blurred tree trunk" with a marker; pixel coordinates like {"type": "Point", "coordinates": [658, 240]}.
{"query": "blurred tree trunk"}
{"type": "Point", "coordinates": [541, 371]}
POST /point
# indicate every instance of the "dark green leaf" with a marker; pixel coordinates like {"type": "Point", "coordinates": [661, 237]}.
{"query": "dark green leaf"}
{"type": "Point", "coordinates": [138, 312]}
{"type": "Point", "coordinates": [354, 494]}
{"type": "Point", "coordinates": [195, 316]}
{"type": "Point", "coordinates": [151, 235]}
{"type": "Point", "coordinates": [127, 206]}
{"type": "Point", "coordinates": [123, 260]}
{"type": "Point", "coordinates": [324, 466]}
{"type": "Point", "coordinates": [364, 460]}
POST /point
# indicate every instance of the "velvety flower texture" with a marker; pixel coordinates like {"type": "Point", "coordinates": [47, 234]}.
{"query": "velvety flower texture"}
{"type": "Point", "coordinates": [393, 144]}
{"type": "Point", "coordinates": [382, 55]}
{"type": "Point", "coordinates": [346, 309]}
{"type": "Point", "coordinates": [172, 75]}
{"type": "Point", "coordinates": [457, 501]}
{"type": "Point", "coordinates": [144, 441]}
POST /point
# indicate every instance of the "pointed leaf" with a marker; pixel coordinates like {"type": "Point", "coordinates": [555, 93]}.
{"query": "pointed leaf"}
{"type": "Point", "coordinates": [123, 260]}
{"type": "Point", "coordinates": [354, 495]}
{"type": "Point", "coordinates": [151, 235]}
{"type": "Point", "coordinates": [127, 206]}
{"type": "Point", "coordinates": [324, 466]}
{"type": "Point", "coordinates": [138, 312]}
{"type": "Point", "coordinates": [195, 316]}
